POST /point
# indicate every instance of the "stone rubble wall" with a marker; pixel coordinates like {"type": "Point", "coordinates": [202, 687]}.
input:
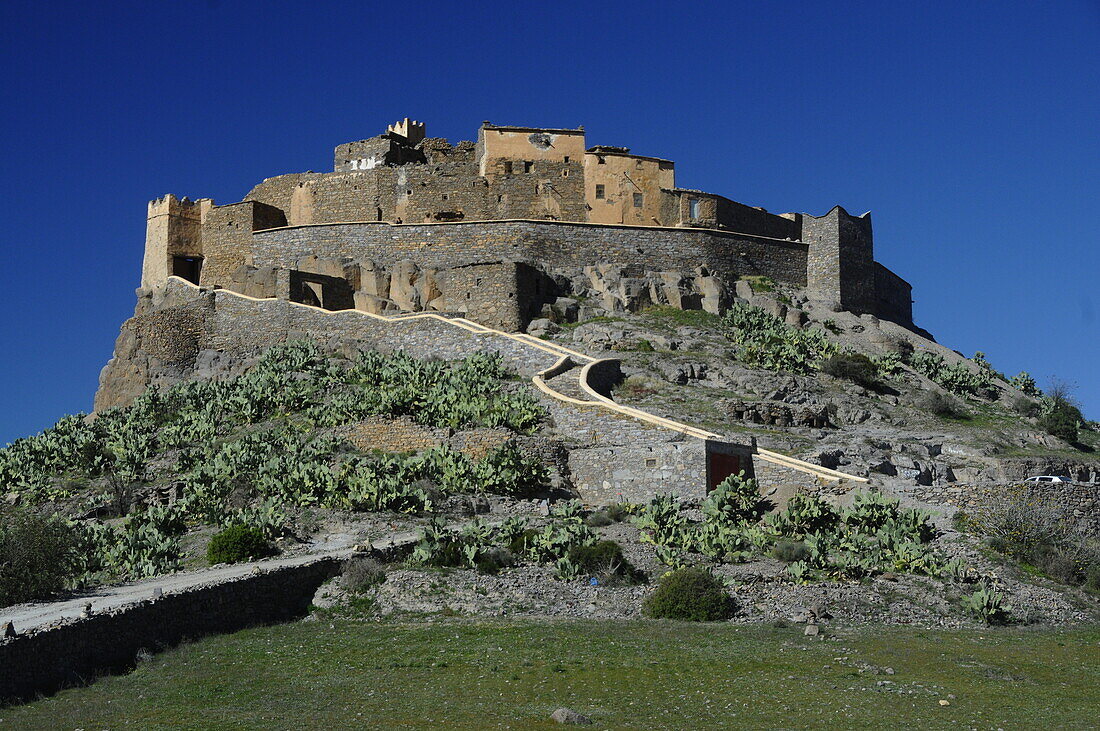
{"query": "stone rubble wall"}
{"type": "Point", "coordinates": [1078, 504]}
{"type": "Point", "coordinates": [75, 651]}
{"type": "Point", "coordinates": [547, 243]}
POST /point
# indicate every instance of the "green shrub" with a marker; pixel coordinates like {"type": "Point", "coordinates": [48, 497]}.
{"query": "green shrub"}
{"type": "Point", "coordinates": [1025, 406]}
{"type": "Point", "coordinates": [790, 551]}
{"type": "Point", "coordinates": [766, 341]}
{"type": "Point", "coordinates": [1024, 383]}
{"type": "Point", "coordinates": [956, 378]}
{"type": "Point", "coordinates": [1061, 419]}
{"type": "Point", "coordinates": [690, 594]}
{"type": "Point", "coordinates": [854, 367]}
{"type": "Point", "coordinates": [940, 404]}
{"type": "Point", "coordinates": [237, 543]}
{"type": "Point", "coordinates": [39, 556]}
{"type": "Point", "coordinates": [598, 519]}
{"type": "Point", "coordinates": [805, 514]}
{"type": "Point", "coordinates": [605, 561]}
{"type": "Point", "coordinates": [988, 605]}
{"type": "Point", "coordinates": [736, 499]}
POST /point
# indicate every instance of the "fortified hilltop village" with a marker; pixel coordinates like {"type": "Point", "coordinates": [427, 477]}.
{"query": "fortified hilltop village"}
{"type": "Point", "coordinates": [549, 371]}
{"type": "Point", "coordinates": [498, 232]}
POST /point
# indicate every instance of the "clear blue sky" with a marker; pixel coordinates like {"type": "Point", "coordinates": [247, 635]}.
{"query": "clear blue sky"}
{"type": "Point", "coordinates": [970, 130]}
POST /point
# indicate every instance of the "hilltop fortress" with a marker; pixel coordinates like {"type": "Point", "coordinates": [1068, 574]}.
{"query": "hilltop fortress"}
{"type": "Point", "coordinates": [498, 229]}
{"type": "Point", "coordinates": [441, 250]}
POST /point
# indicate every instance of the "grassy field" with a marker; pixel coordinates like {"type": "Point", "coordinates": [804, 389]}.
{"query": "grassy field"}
{"type": "Point", "coordinates": [512, 674]}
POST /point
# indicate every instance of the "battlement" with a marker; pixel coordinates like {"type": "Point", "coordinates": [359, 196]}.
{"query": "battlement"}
{"type": "Point", "coordinates": [412, 131]}
{"type": "Point", "coordinates": [170, 205]}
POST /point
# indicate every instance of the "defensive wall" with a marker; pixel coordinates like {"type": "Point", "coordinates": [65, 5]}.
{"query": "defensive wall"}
{"type": "Point", "coordinates": [549, 243]}
{"type": "Point", "coordinates": [528, 195]}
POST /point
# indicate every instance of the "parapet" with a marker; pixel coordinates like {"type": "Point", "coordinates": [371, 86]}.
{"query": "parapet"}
{"type": "Point", "coordinates": [170, 205]}
{"type": "Point", "coordinates": [412, 131]}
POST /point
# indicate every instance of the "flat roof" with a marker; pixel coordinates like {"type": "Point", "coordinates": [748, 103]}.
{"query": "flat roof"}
{"type": "Point", "coordinates": [596, 151]}
{"type": "Point", "coordinates": [554, 130]}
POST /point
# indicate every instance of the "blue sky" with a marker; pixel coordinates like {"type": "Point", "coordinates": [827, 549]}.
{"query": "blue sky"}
{"type": "Point", "coordinates": [970, 130]}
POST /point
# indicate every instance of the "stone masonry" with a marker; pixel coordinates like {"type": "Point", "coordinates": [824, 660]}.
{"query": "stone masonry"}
{"type": "Point", "coordinates": [403, 217]}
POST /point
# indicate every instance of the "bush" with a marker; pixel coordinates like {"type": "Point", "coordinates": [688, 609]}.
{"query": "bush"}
{"type": "Point", "coordinates": [1062, 421]}
{"type": "Point", "coordinates": [791, 551]}
{"type": "Point", "coordinates": [690, 594]}
{"type": "Point", "coordinates": [988, 605]}
{"type": "Point", "coordinates": [598, 519]}
{"type": "Point", "coordinates": [854, 367]}
{"type": "Point", "coordinates": [361, 573]}
{"type": "Point", "coordinates": [603, 560]}
{"type": "Point", "coordinates": [39, 556]}
{"type": "Point", "coordinates": [1024, 383]}
{"type": "Point", "coordinates": [237, 543]}
{"type": "Point", "coordinates": [766, 341]}
{"type": "Point", "coordinates": [1025, 406]}
{"type": "Point", "coordinates": [941, 405]}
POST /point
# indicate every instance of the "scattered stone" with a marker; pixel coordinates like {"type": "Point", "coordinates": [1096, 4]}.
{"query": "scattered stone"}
{"type": "Point", "coordinates": [945, 702]}
{"type": "Point", "coordinates": [812, 630]}
{"type": "Point", "coordinates": [568, 715]}
{"type": "Point", "coordinates": [8, 630]}
{"type": "Point", "coordinates": [86, 611]}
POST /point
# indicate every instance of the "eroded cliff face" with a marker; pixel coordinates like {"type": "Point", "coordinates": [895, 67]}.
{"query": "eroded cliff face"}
{"type": "Point", "coordinates": [159, 345]}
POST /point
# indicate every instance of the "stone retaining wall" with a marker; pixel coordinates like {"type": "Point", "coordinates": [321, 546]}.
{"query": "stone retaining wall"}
{"type": "Point", "coordinates": [75, 651]}
{"type": "Point", "coordinates": [1078, 504]}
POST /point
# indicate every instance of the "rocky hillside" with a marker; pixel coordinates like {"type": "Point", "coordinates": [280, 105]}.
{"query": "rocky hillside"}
{"type": "Point", "coordinates": [852, 392]}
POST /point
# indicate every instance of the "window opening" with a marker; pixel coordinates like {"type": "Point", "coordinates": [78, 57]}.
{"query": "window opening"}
{"type": "Point", "coordinates": [599, 191]}
{"type": "Point", "coordinates": [638, 200]}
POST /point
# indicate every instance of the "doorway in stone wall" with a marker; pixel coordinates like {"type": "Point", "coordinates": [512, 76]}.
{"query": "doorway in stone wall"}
{"type": "Point", "coordinates": [719, 467]}
{"type": "Point", "coordinates": [187, 267]}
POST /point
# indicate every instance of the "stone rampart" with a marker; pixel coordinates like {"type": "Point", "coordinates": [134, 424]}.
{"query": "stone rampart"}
{"type": "Point", "coordinates": [75, 651]}
{"type": "Point", "coordinates": [547, 243]}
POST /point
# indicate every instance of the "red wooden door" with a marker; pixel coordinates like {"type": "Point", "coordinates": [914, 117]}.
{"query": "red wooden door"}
{"type": "Point", "coordinates": [721, 466]}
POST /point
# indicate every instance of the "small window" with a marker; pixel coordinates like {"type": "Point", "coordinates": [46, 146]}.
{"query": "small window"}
{"type": "Point", "coordinates": [507, 167]}
{"type": "Point", "coordinates": [565, 173]}
{"type": "Point", "coordinates": [527, 165]}
{"type": "Point", "coordinates": [638, 200]}
{"type": "Point", "coordinates": [444, 196]}
{"type": "Point", "coordinates": [651, 462]}
{"type": "Point", "coordinates": [500, 199]}
{"type": "Point", "coordinates": [565, 159]}
{"type": "Point", "coordinates": [408, 192]}
{"type": "Point", "coordinates": [693, 208]}
{"type": "Point", "coordinates": [601, 161]}
{"type": "Point", "coordinates": [599, 191]}
{"type": "Point", "coordinates": [637, 163]}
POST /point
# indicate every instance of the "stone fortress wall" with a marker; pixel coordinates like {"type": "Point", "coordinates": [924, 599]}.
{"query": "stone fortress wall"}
{"type": "Point", "coordinates": [496, 228]}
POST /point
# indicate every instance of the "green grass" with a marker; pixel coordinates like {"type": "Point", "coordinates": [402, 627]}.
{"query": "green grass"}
{"type": "Point", "coordinates": [675, 317]}
{"type": "Point", "coordinates": [637, 674]}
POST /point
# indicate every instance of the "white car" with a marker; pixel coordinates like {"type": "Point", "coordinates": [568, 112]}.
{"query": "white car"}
{"type": "Point", "coordinates": [1046, 478]}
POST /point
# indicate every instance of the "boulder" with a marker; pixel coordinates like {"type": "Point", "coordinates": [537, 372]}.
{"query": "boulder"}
{"type": "Point", "coordinates": [569, 716]}
{"type": "Point", "coordinates": [542, 326]}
